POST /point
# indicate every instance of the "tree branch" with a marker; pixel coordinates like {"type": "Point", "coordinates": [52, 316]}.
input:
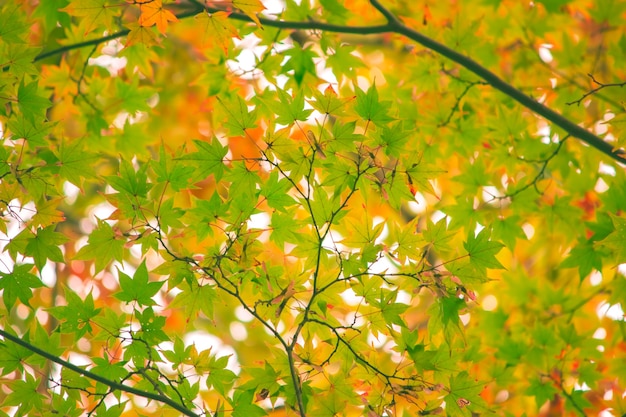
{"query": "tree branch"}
{"type": "Point", "coordinates": [112, 384]}
{"type": "Point", "coordinates": [394, 25]}
{"type": "Point", "coordinates": [499, 84]}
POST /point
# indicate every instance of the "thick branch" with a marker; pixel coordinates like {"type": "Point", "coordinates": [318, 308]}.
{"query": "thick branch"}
{"type": "Point", "coordinates": [112, 384]}
{"type": "Point", "coordinates": [499, 84]}
{"type": "Point", "coordinates": [394, 25]}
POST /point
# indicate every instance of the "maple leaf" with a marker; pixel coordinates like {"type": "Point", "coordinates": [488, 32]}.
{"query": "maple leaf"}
{"type": "Point", "coordinates": [370, 108]}
{"type": "Point", "coordinates": [482, 251]}
{"type": "Point", "coordinates": [240, 117]}
{"type": "Point", "coordinates": [140, 34]}
{"type": "Point", "coordinates": [153, 13]}
{"type": "Point", "coordinates": [33, 131]}
{"type": "Point", "coordinates": [18, 284]}
{"type": "Point", "coordinates": [74, 161]}
{"type": "Point", "coordinates": [45, 245]}
{"type": "Point", "coordinates": [96, 13]}
{"type": "Point", "coordinates": [250, 8]}
{"type": "Point", "coordinates": [31, 104]}
{"type": "Point", "coordinates": [217, 29]}
{"type": "Point", "coordinates": [138, 288]}
{"type": "Point", "coordinates": [616, 240]}
{"type": "Point", "coordinates": [47, 213]}
{"type": "Point", "coordinates": [103, 246]}
{"type": "Point", "coordinates": [209, 158]}
{"type": "Point", "coordinates": [19, 58]}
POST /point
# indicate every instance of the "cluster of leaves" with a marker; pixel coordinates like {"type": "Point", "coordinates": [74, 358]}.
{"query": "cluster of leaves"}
{"type": "Point", "coordinates": [211, 210]}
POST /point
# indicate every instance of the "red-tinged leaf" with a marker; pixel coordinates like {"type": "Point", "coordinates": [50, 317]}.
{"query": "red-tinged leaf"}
{"type": "Point", "coordinates": [217, 29]}
{"type": "Point", "coordinates": [153, 13]}
{"type": "Point", "coordinates": [250, 8]}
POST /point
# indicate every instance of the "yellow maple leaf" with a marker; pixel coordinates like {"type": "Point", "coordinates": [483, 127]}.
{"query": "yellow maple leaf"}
{"type": "Point", "coordinates": [140, 34]}
{"type": "Point", "coordinates": [250, 8]}
{"type": "Point", "coordinates": [217, 29]}
{"type": "Point", "coordinates": [47, 213]}
{"type": "Point", "coordinates": [153, 13]}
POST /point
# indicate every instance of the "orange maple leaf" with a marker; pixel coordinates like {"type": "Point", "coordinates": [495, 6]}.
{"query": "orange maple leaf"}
{"type": "Point", "coordinates": [153, 13]}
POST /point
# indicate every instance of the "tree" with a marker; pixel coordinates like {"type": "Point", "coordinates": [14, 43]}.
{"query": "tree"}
{"type": "Point", "coordinates": [327, 208]}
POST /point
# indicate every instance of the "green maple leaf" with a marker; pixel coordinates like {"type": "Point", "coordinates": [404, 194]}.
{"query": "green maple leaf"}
{"type": "Point", "coordinates": [343, 62]}
{"type": "Point", "coordinates": [31, 104]}
{"type": "Point", "coordinates": [176, 174]}
{"type": "Point", "coordinates": [328, 102]}
{"type": "Point", "coordinates": [130, 182]}
{"type": "Point", "coordinates": [19, 59]}
{"type": "Point", "coordinates": [243, 185]}
{"type": "Point", "coordinates": [132, 97]}
{"type": "Point", "coordinates": [13, 26]}
{"type": "Point", "coordinates": [616, 240]}
{"type": "Point", "coordinates": [75, 163]}
{"type": "Point", "coordinates": [169, 216]}
{"type": "Point", "coordinates": [33, 131]}
{"type": "Point", "coordinates": [464, 395]}
{"type": "Point", "coordinates": [508, 231]}
{"type": "Point", "coordinates": [276, 192]}
{"type": "Point", "coordinates": [239, 117]}
{"type": "Point", "coordinates": [25, 394]}
{"type": "Point", "coordinates": [284, 229]}
{"type": "Point", "coordinates": [18, 284]}
{"type": "Point", "coordinates": [585, 256]}
{"type": "Point", "coordinates": [138, 288]}
{"type": "Point", "coordinates": [95, 13]}
{"type": "Point", "coordinates": [482, 251]}
{"type": "Point", "coordinates": [103, 246]}
{"type": "Point", "coordinates": [194, 298]}
{"type": "Point", "coordinates": [179, 354]}
{"type": "Point", "coordinates": [45, 245]}
{"type": "Point", "coordinates": [75, 317]}
{"type": "Point", "coordinates": [393, 138]}
{"type": "Point", "coordinates": [50, 14]}
{"type": "Point", "coordinates": [289, 109]}
{"type": "Point", "coordinates": [209, 159]}
{"type": "Point", "coordinates": [151, 327]}
{"type": "Point", "coordinates": [243, 405]}
{"type": "Point", "coordinates": [13, 356]}
{"type": "Point", "coordinates": [370, 108]}
{"type": "Point", "coordinates": [301, 62]}
{"type": "Point", "coordinates": [437, 234]}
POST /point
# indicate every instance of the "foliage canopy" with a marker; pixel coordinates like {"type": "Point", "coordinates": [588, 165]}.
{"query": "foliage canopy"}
{"type": "Point", "coordinates": [321, 208]}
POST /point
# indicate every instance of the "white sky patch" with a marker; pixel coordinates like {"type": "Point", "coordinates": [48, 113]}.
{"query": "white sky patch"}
{"type": "Point", "coordinates": [529, 230]}
{"type": "Point", "coordinates": [109, 59]}
{"type": "Point", "coordinates": [489, 302]}
{"type": "Point", "coordinates": [595, 278]}
{"type": "Point", "coordinates": [606, 169]}
{"type": "Point", "coordinates": [544, 52]}
{"type": "Point", "coordinates": [612, 311]}
{"type": "Point", "coordinates": [204, 340]}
